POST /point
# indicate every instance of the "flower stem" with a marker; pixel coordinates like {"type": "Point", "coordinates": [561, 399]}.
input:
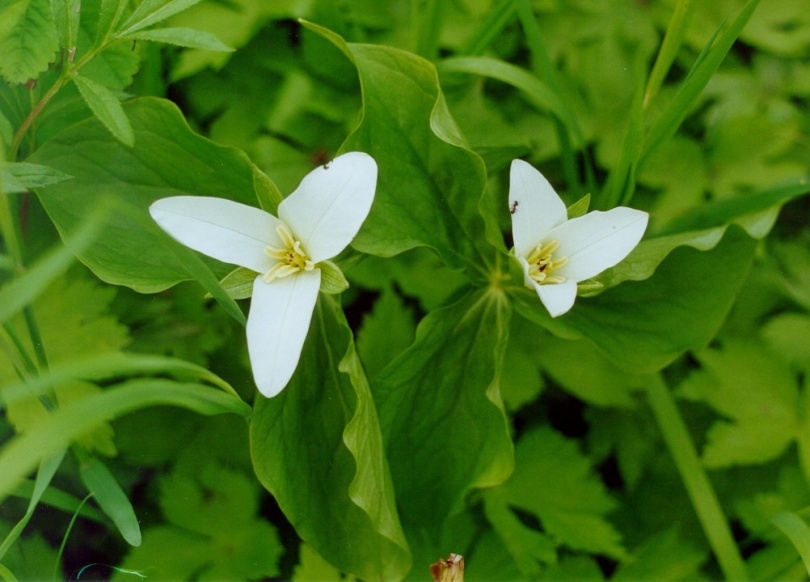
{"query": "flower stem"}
{"type": "Point", "coordinates": [697, 484]}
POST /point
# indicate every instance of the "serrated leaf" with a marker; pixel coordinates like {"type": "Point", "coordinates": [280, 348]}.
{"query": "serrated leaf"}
{"type": "Point", "coordinates": [28, 39]}
{"type": "Point", "coordinates": [757, 394]}
{"type": "Point", "coordinates": [554, 481]}
{"type": "Point", "coordinates": [440, 399]}
{"type": "Point", "coordinates": [107, 108]}
{"type": "Point", "coordinates": [150, 12]}
{"type": "Point", "coordinates": [185, 37]}
{"type": "Point", "coordinates": [338, 492]}
{"type": "Point", "coordinates": [132, 250]}
{"type": "Point", "coordinates": [662, 557]}
{"type": "Point", "coordinates": [66, 16]}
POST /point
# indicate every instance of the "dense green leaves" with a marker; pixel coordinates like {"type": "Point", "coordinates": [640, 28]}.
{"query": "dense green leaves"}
{"type": "Point", "coordinates": [28, 39]}
{"type": "Point", "coordinates": [336, 489]}
{"type": "Point", "coordinates": [167, 160]}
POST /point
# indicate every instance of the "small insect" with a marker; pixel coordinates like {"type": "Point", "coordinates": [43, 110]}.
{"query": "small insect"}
{"type": "Point", "coordinates": [514, 206]}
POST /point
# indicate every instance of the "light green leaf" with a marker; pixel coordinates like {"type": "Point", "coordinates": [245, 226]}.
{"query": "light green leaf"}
{"type": "Point", "coordinates": [185, 37]}
{"type": "Point", "coordinates": [642, 326]}
{"type": "Point", "coordinates": [238, 284]}
{"type": "Point", "coordinates": [757, 396]}
{"type": "Point", "coordinates": [267, 193]}
{"type": "Point", "coordinates": [150, 12]}
{"type": "Point", "coordinates": [111, 498]}
{"type": "Point", "coordinates": [109, 15]}
{"type": "Point", "coordinates": [28, 39]}
{"type": "Point", "coordinates": [554, 481]}
{"type": "Point", "coordinates": [107, 108]}
{"type": "Point", "coordinates": [333, 281]}
{"type": "Point", "coordinates": [30, 175]}
{"type": "Point", "coordinates": [337, 492]}
{"type": "Point", "coordinates": [66, 16]}
{"type": "Point", "coordinates": [440, 399]}
{"type": "Point", "coordinates": [797, 530]}
{"type": "Point", "coordinates": [24, 452]}
{"type": "Point", "coordinates": [430, 184]}
{"type": "Point", "coordinates": [132, 250]}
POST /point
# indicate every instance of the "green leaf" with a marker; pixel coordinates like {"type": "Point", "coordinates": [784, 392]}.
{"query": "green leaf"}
{"type": "Point", "coordinates": [662, 557]}
{"type": "Point", "coordinates": [150, 12]}
{"type": "Point", "coordinates": [333, 281]}
{"type": "Point", "coordinates": [111, 498]}
{"type": "Point", "coordinates": [555, 482]}
{"type": "Point", "coordinates": [107, 108]}
{"type": "Point", "coordinates": [337, 492]}
{"type": "Point", "coordinates": [757, 396]}
{"type": "Point", "coordinates": [66, 16]}
{"type": "Point", "coordinates": [797, 530]}
{"type": "Point", "coordinates": [30, 175]}
{"type": "Point", "coordinates": [642, 326]}
{"type": "Point", "coordinates": [28, 39]}
{"type": "Point", "coordinates": [430, 184]}
{"type": "Point", "coordinates": [386, 331]}
{"type": "Point", "coordinates": [238, 284]}
{"type": "Point", "coordinates": [22, 454]}
{"type": "Point", "coordinates": [440, 399]}
{"type": "Point", "coordinates": [132, 250]}
{"type": "Point", "coordinates": [185, 37]}
{"type": "Point", "coordinates": [267, 193]}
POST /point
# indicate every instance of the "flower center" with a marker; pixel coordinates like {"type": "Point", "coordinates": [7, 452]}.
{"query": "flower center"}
{"type": "Point", "coordinates": [542, 263]}
{"type": "Point", "coordinates": [291, 259]}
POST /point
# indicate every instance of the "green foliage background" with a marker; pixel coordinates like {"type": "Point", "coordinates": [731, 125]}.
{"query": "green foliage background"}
{"type": "Point", "coordinates": [658, 431]}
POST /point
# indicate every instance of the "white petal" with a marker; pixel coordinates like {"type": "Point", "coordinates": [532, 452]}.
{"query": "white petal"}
{"type": "Point", "coordinates": [535, 206]}
{"type": "Point", "coordinates": [225, 230]}
{"type": "Point", "coordinates": [329, 206]}
{"type": "Point", "coordinates": [277, 326]}
{"type": "Point", "coordinates": [557, 298]}
{"type": "Point", "coordinates": [597, 241]}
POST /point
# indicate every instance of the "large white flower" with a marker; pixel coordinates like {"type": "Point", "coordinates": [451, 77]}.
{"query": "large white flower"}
{"type": "Point", "coordinates": [557, 253]}
{"type": "Point", "coordinates": [314, 224]}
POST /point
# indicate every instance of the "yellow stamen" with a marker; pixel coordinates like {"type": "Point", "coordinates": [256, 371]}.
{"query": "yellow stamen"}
{"type": "Point", "coordinates": [292, 258]}
{"type": "Point", "coordinates": [542, 263]}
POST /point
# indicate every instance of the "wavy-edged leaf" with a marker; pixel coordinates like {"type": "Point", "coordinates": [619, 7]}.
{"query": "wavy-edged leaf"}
{"type": "Point", "coordinates": [430, 183]}
{"type": "Point", "coordinates": [107, 108]}
{"type": "Point", "coordinates": [185, 37]}
{"type": "Point", "coordinates": [318, 449]}
{"type": "Point", "coordinates": [28, 39]}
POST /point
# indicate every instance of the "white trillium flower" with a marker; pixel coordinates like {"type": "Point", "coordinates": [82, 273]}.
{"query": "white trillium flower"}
{"type": "Point", "coordinates": [315, 223]}
{"type": "Point", "coordinates": [557, 253]}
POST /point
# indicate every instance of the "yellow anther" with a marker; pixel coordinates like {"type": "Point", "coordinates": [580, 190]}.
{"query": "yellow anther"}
{"type": "Point", "coordinates": [542, 263]}
{"type": "Point", "coordinates": [292, 258]}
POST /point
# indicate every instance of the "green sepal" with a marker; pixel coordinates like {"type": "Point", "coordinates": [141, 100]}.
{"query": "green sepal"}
{"type": "Point", "coordinates": [267, 193]}
{"type": "Point", "coordinates": [589, 288]}
{"type": "Point", "coordinates": [238, 284]}
{"type": "Point", "coordinates": [580, 207]}
{"type": "Point", "coordinates": [333, 280]}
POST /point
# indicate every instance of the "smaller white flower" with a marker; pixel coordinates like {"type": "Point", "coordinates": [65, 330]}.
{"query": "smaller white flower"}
{"type": "Point", "coordinates": [314, 224]}
{"type": "Point", "coordinates": [557, 253]}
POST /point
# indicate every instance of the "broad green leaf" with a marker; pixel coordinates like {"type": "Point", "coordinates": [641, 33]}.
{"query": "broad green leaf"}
{"type": "Point", "coordinates": [28, 39]}
{"type": "Point", "coordinates": [111, 498]}
{"type": "Point", "coordinates": [150, 12]}
{"type": "Point", "coordinates": [440, 399]}
{"type": "Point", "coordinates": [313, 568]}
{"type": "Point", "coordinates": [642, 326]}
{"type": "Point", "coordinates": [430, 183]}
{"type": "Point", "coordinates": [107, 108]}
{"type": "Point", "coordinates": [24, 452]}
{"type": "Point", "coordinates": [554, 481]}
{"type": "Point", "coordinates": [185, 37]}
{"type": "Point", "coordinates": [757, 396]}
{"type": "Point", "coordinates": [318, 449]}
{"type": "Point", "coordinates": [167, 160]}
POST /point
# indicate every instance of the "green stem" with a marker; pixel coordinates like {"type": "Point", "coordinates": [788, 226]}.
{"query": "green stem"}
{"type": "Point", "coordinates": [701, 493]}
